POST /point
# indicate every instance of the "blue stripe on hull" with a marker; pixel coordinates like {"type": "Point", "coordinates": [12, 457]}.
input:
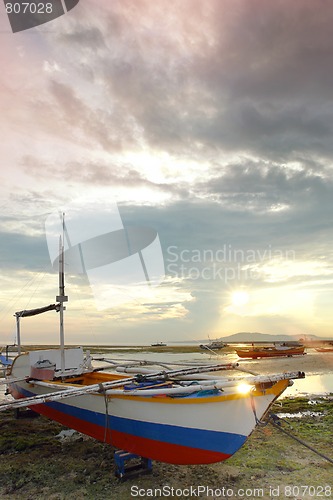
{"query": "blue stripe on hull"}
{"type": "Point", "coordinates": [221, 442]}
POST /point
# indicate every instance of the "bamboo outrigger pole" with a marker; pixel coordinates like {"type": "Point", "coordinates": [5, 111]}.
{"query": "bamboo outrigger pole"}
{"type": "Point", "coordinates": [103, 388]}
{"type": "Point", "coordinates": [79, 391]}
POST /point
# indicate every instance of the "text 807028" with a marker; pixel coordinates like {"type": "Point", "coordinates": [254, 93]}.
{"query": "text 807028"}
{"type": "Point", "coordinates": [29, 8]}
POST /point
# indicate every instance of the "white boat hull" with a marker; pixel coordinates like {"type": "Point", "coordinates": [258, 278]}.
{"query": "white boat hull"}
{"type": "Point", "coordinates": [193, 429]}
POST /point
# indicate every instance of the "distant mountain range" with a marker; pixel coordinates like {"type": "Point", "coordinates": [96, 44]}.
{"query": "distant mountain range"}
{"type": "Point", "coordinates": [241, 337]}
{"type": "Point", "coordinates": [265, 337]}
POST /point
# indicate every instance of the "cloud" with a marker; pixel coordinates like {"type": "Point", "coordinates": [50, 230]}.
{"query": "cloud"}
{"type": "Point", "coordinates": [228, 75]}
{"type": "Point", "coordinates": [226, 78]}
{"type": "Point", "coordinates": [216, 114]}
{"type": "Point", "coordinates": [266, 186]}
{"type": "Point", "coordinates": [111, 175]}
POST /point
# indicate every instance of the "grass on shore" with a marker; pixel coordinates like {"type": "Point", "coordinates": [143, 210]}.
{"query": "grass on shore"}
{"type": "Point", "coordinates": [35, 464]}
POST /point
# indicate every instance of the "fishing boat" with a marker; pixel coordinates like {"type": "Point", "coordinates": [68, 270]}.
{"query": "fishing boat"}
{"type": "Point", "coordinates": [255, 352]}
{"type": "Point", "coordinates": [180, 416]}
{"type": "Point", "coordinates": [158, 344]}
{"type": "Point", "coordinates": [324, 349]}
{"type": "Point", "coordinates": [174, 414]}
{"type": "Point", "coordinates": [214, 345]}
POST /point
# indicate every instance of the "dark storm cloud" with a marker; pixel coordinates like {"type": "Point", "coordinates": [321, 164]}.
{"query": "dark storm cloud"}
{"type": "Point", "coordinates": [192, 78]}
{"type": "Point", "coordinates": [266, 76]}
{"type": "Point", "coordinates": [269, 76]}
{"type": "Point", "coordinates": [269, 186]}
{"type": "Point", "coordinates": [193, 225]}
{"type": "Point", "coordinates": [259, 130]}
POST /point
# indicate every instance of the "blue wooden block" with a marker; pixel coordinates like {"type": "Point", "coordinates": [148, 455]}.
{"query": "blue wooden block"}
{"type": "Point", "coordinates": [142, 466]}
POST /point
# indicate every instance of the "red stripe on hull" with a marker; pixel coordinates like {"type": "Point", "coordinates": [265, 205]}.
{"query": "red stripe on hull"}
{"type": "Point", "coordinates": [165, 452]}
{"type": "Point", "coordinates": [149, 448]}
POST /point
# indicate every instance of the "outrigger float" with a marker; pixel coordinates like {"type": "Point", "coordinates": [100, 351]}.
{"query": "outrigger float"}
{"type": "Point", "coordinates": [174, 414]}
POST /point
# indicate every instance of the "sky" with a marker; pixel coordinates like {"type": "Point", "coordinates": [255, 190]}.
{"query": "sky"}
{"type": "Point", "coordinates": [206, 123]}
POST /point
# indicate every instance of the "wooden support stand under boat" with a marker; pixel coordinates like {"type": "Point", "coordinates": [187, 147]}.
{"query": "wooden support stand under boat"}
{"type": "Point", "coordinates": [137, 465]}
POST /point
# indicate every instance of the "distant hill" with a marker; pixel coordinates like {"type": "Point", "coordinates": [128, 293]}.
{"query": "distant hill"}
{"type": "Point", "coordinates": [264, 337]}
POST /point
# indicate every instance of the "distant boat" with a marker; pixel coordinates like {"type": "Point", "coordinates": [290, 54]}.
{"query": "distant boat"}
{"type": "Point", "coordinates": [215, 345]}
{"type": "Point", "coordinates": [255, 352]}
{"type": "Point", "coordinates": [158, 344]}
{"type": "Point", "coordinates": [324, 349]}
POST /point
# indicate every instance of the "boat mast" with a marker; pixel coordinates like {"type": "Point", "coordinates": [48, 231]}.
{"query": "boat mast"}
{"type": "Point", "coordinates": [18, 333]}
{"type": "Point", "coordinates": [61, 298]}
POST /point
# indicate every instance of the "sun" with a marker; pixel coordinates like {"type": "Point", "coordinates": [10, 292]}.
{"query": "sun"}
{"type": "Point", "coordinates": [239, 298]}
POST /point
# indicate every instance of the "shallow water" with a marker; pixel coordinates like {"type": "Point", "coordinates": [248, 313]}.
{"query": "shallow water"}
{"type": "Point", "coordinates": [312, 385]}
{"type": "Point", "coordinates": [301, 414]}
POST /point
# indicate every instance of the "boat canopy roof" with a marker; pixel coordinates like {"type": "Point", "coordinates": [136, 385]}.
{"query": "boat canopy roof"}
{"type": "Point", "coordinates": [40, 310]}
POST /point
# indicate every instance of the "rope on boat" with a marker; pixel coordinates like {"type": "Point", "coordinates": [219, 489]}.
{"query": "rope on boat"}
{"type": "Point", "coordinates": [275, 421]}
{"type": "Point", "coordinates": [253, 407]}
{"type": "Point", "coordinates": [107, 421]}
